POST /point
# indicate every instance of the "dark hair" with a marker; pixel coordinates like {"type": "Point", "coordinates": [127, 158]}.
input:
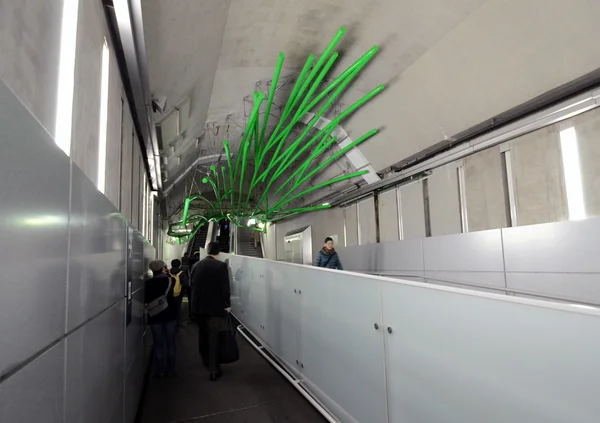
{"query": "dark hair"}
{"type": "Point", "coordinates": [328, 239]}
{"type": "Point", "coordinates": [186, 255]}
{"type": "Point", "coordinates": [213, 249]}
{"type": "Point", "coordinates": [176, 263]}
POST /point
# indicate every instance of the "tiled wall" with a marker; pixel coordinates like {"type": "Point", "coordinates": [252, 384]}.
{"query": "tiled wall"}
{"type": "Point", "coordinates": [68, 351]}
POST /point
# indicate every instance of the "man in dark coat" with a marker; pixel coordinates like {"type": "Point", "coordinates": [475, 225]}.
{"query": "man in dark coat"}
{"type": "Point", "coordinates": [210, 305]}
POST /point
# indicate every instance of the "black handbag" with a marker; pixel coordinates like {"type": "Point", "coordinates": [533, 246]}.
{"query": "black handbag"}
{"type": "Point", "coordinates": [228, 347]}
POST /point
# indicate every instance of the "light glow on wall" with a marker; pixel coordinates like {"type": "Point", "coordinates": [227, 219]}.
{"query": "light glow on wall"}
{"type": "Point", "coordinates": [66, 76]}
{"type": "Point", "coordinates": [572, 171]}
{"type": "Point", "coordinates": [103, 118]}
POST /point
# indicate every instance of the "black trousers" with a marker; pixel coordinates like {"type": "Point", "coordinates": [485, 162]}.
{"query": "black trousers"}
{"type": "Point", "coordinates": [208, 341]}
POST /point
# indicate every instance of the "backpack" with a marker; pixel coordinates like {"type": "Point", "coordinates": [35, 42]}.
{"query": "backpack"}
{"type": "Point", "coordinates": [177, 287]}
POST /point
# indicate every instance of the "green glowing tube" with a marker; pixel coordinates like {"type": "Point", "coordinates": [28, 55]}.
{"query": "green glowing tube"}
{"type": "Point", "coordinates": [333, 158]}
{"type": "Point", "coordinates": [299, 172]}
{"type": "Point", "coordinates": [358, 65]}
{"type": "Point", "coordinates": [253, 128]}
{"type": "Point", "coordinates": [290, 103]}
{"type": "Point", "coordinates": [316, 85]}
{"type": "Point", "coordinates": [245, 161]}
{"type": "Point", "coordinates": [252, 121]}
{"type": "Point", "coordinates": [274, 83]}
{"type": "Point", "coordinates": [313, 121]}
{"type": "Point", "coordinates": [303, 209]}
{"type": "Point", "coordinates": [216, 178]}
{"type": "Point", "coordinates": [331, 125]}
{"type": "Point", "coordinates": [187, 205]}
{"type": "Point", "coordinates": [209, 180]}
{"type": "Point", "coordinates": [228, 153]}
{"type": "Point", "coordinates": [224, 182]}
{"type": "Point", "coordinates": [320, 62]}
{"type": "Point", "coordinates": [322, 185]}
{"type": "Point", "coordinates": [353, 69]}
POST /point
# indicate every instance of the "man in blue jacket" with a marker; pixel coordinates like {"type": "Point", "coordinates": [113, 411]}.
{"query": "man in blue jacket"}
{"type": "Point", "coordinates": [328, 257]}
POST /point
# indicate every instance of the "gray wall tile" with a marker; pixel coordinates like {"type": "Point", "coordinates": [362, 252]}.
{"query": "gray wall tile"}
{"type": "Point", "coordinates": [95, 367]}
{"type": "Point", "coordinates": [34, 206]}
{"type": "Point", "coordinates": [98, 252]}
{"type": "Point", "coordinates": [35, 393]}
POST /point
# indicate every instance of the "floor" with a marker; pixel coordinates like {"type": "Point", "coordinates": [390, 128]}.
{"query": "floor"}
{"type": "Point", "coordinates": [251, 391]}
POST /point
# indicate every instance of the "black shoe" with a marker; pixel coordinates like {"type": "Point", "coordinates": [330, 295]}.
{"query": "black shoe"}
{"type": "Point", "coordinates": [216, 376]}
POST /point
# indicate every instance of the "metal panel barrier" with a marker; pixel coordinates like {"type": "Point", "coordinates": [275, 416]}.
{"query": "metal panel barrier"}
{"type": "Point", "coordinates": [372, 349]}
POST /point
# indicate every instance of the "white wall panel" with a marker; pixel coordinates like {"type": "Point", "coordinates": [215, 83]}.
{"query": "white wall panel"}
{"type": "Point", "coordinates": [389, 218]}
{"type": "Point", "coordinates": [572, 287]}
{"type": "Point", "coordinates": [478, 251]}
{"type": "Point", "coordinates": [444, 205]}
{"type": "Point", "coordinates": [336, 333]}
{"type": "Point", "coordinates": [391, 258]}
{"type": "Point", "coordinates": [485, 194]}
{"type": "Point", "coordinates": [538, 177]}
{"type": "Point", "coordinates": [412, 210]}
{"type": "Point", "coordinates": [366, 222]}
{"type": "Point", "coordinates": [438, 350]}
{"type": "Point", "coordinates": [458, 348]}
{"type": "Point", "coordinates": [324, 223]}
{"type": "Point", "coordinates": [561, 247]}
{"type": "Point", "coordinates": [351, 219]}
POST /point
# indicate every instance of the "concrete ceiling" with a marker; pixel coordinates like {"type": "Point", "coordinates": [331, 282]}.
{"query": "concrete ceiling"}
{"type": "Point", "coordinates": [215, 52]}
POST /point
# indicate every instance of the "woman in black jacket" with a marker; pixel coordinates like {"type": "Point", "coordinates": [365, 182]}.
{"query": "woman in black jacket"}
{"type": "Point", "coordinates": [328, 257]}
{"type": "Point", "coordinates": [164, 323]}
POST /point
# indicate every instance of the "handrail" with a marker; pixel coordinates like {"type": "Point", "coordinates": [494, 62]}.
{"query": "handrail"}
{"type": "Point", "coordinates": [493, 288]}
{"type": "Point", "coordinates": [295, 382]}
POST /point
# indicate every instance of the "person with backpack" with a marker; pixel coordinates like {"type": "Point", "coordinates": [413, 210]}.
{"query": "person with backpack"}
{"type": "Point", "coordinates": [327, 257]}
{"type": "Point", "coordinates": [161, 309]}
{"type": "Point", "coordinates": [182, 282]}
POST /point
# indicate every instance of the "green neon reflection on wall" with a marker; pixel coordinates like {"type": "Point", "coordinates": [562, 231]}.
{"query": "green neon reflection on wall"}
{"type": "Point", "coordinates": [235, 183]}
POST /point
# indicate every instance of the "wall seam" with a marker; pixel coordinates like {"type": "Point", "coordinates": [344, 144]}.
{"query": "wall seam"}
{"type": "Point", "coordinates": [17, 368]}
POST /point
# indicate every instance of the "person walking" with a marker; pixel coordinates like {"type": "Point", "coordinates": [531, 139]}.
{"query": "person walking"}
{"type": "Point", "coordinates": [161, 307]}
{"type": "Point", "coordinates": [182, 283]}
{"type": "Point", "coordinates": [327, 257]}
{"type": "Point", "coordinates": [211, 303]}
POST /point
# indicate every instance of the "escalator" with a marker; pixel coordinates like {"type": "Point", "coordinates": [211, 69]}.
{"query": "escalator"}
{"type": "Point", "coordinates": [249, 243]}
{"type": "Point", "coordinates": [199, 240]}
{"type": "Point", "coordinates": [223, 236]}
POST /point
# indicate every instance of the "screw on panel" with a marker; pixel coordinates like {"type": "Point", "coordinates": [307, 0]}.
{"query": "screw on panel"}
{"type": "Point", "coordinates": [376, 326]}
{"type": "Point", "coordinates": [389, 330]}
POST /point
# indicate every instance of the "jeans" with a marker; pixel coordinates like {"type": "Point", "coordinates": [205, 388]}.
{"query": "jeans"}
{"type": "Point", "coordinates": [208, 341]}
{"type": "Point", "coordinates": [164, 333]}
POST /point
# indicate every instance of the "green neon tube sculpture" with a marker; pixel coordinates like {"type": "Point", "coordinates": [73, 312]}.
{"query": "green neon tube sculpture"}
{"type": "Point", "coordinates": [263, 159]}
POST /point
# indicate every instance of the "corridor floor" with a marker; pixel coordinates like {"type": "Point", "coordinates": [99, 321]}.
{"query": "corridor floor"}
{"type": "Point", "coordinates": [250, 391]}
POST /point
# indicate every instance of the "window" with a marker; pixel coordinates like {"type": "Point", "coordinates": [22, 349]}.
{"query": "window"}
{"type": "Point", "coordinates": [572, 169]}
{"type": "Point", "coordinates": [103, 118]}
{"type": "Point", "coordinates": [66, 76]}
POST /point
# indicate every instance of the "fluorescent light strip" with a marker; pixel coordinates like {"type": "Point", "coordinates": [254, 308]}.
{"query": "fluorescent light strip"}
{"type": "Point", "coordinates": [66, 76]}
{"type": "Point", "coordinates": [572, 171]}
{"type": "Point", "coordinates": [103, 118]}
